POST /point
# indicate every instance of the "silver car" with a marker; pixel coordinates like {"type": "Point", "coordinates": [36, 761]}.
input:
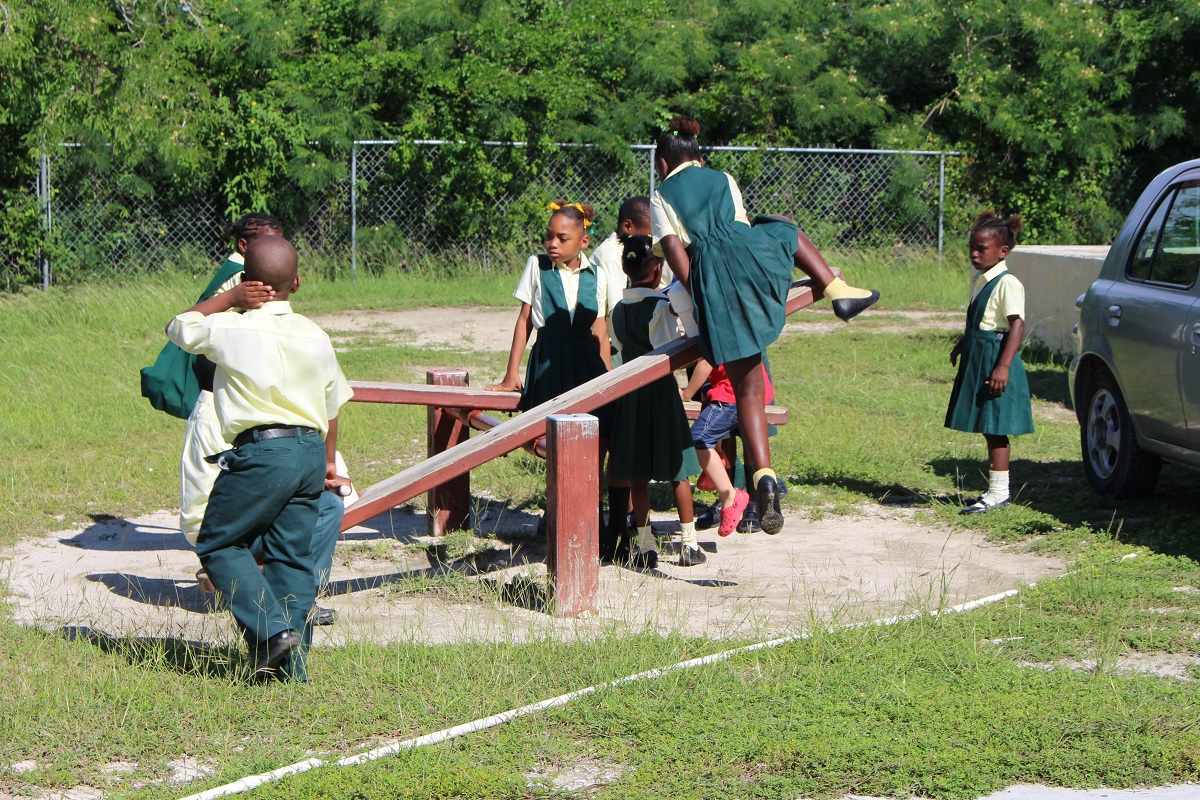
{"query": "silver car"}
{"type": "Point", "coordinates": [1135, 382]}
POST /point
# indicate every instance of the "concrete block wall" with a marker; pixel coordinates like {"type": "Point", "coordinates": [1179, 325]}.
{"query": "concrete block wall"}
{"type": "Point", "coordinates": [1054, 277]}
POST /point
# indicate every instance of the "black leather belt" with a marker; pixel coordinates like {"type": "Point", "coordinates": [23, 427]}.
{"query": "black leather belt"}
{"type": "Point", "coordinates": [270, 432]}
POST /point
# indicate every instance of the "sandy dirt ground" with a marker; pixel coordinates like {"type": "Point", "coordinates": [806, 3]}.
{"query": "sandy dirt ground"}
{"type": "Point", "coordinates": [490, 329]}
{"type": "Point", "coordinates": [136, 578]}
{"type": "Point", "coordinates": [390, 582]}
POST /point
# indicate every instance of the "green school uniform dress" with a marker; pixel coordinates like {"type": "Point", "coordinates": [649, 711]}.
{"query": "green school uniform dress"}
{"type": "Point", "coordinates": [972, 408]}
{"type": "Point", "coordinates": [740, 274]}
{"type": "Point", "coordinates": [171, 383]}
{"type": "Point", "coordinates": [564, 355]}
{"type": "Point", "coordinates": [651, 439]}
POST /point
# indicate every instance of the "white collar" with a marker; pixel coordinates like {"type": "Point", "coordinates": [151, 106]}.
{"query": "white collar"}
{"type": "Point", "coordinates": [684, 166]}
{"type": "Point", "coordinates": [635, 293]}
{"type": "Point", "coordinates": [991, 273]}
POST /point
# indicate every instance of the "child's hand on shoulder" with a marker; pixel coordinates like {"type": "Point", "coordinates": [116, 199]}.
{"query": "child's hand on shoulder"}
{"type": "Point", "coordinates": [250, 294]}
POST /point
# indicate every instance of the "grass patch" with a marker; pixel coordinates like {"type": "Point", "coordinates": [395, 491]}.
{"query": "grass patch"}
{"type": "Point", "coordinates": [1037, 688]}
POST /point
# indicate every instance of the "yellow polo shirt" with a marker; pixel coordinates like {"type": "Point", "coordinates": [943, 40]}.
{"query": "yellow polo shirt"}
{"type": "Point", "coordinates": [274, 367]}
{"type": "Point", "coordinates": [1007, 300]}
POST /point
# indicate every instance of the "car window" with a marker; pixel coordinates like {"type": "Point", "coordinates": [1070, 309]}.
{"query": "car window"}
{"type": "Point", "coordinates": [1168, 250]}
{"type": "Point", "coordinates": [1143, 254]}
{"type": "Point", "coordinates": [1178, 259]}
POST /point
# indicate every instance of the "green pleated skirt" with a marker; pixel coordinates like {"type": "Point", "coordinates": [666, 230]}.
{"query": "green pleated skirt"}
{"type": "Point", "coordinates": [972, 408]}
{"type": "Point", "coordinates": [651, 438]}
{"type": "Point", "coordinates": [740, 277]}
{"type": "Point", "coordinates": [562, 359]}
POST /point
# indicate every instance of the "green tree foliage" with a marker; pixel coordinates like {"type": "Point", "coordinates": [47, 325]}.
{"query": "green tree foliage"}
{"type": "Point", "coordinates": [1062, 107]}
{"type": "Point", "coordinates": [1057, 103]}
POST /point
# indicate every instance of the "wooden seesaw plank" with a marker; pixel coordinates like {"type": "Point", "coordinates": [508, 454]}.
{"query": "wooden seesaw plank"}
{"type": "Point", "coordinates": [526, 427]}
{"type": "Point", "coordinates": [432, 395]}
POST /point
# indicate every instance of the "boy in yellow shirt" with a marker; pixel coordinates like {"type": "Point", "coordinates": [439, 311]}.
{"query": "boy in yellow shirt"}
{"type": "Point", "coordinates": [277, 391]}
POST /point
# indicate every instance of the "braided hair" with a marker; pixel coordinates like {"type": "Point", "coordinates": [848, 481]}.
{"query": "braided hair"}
{"type": "Point", "coordinates": [251, 226]}
{"type": "Point", "coordinates": [1004, 229]}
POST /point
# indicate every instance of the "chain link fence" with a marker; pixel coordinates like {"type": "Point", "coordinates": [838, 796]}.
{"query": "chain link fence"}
{"type": "Point", "coordinates": [457, 206]}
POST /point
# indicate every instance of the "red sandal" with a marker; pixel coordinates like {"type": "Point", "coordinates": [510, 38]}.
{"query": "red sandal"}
{"type": "Point", "coordinates": [731, 514]}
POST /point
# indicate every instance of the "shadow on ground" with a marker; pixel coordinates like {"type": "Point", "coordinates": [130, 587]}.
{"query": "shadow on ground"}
{"type": "Point", "coordinates": [180, 655]}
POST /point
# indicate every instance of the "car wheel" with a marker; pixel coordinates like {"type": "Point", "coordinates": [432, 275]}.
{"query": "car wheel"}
{"type": "Point", "coordinates": [1112, 460]}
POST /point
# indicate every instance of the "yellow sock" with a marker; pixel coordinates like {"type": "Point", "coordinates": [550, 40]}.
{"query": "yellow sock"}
{"type": "Point", "coordinates": [758, 476]}
{"type": "Point", "coordinates": [838, 289]}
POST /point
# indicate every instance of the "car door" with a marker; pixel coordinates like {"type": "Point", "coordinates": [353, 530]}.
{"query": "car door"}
{"type": "Point", "coordinates": [1179, 261]}
{"type": "Point", "coordinates": [1148, 316]}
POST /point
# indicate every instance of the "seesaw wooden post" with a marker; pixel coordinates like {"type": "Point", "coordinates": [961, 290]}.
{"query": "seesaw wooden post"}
{"type": "Point", "coordinates": [449, 504]}
{"type": "Point", "coordinates": [573, 512]}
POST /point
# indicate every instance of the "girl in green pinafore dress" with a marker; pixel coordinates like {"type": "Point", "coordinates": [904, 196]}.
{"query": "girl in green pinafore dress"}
{"type": "Point", "coordinates": [563, 300]}
{"type": "Point", "coordinates": [738, 275]}
{"type": "Point", "coordinates": [651, 440]}
{"type": "Point", "coordinates": [991, 391]}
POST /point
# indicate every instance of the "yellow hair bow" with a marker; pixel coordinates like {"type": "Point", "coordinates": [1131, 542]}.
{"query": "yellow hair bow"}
{"type": "Point", "coordinates": [587, 223]}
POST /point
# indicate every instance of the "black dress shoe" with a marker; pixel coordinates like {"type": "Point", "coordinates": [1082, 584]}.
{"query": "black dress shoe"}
{"type": "Point", "coordinates": [749, 521]}
{"type": "Point", "coordinates": [850, 307]}
{"type": "Point", "coordinates": [767, 497]}
{"type": "Point", "coordinates": [691, 556]}
{"type": "Point", "coordinates": [324, 616]}
{"type": "Point", "coordinates": [981, 505]}
{"type": "Point", "coordinates": [271, 653]}
{"type": "Point", "coordinates": [710, 518]}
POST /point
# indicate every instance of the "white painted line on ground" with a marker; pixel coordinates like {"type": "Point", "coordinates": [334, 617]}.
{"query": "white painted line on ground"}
{"type": "Point", "coordinates": [251, 781]}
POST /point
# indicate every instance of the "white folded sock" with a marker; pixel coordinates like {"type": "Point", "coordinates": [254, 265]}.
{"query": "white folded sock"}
{"type": "Point", "coordinates": [997, 487]}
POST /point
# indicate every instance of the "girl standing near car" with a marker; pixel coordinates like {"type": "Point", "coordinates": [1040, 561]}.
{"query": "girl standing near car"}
{"type": "Point", "coordinates": [991, 392]}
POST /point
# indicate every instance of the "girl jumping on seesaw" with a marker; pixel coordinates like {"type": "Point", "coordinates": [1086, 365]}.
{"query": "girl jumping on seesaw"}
{"type": "Point", "coordinates": [738, 276]}
{"type": "Point", "coordinates": [651, 440]}
{"type": "Point", "coordinates": [991, 391]}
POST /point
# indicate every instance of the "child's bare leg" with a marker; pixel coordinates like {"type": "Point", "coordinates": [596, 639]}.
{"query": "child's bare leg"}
{"type": "Point", "coordinates": [997, 494]}
{"type": "Point", "coordinates": [848, 301]}
{"type": "Point", "coordinates": [810, 261]}
{"type": "Point", "coordinates": [640, 494]}
{"type": "Point", "coordinates": [746, 375]}
{"type": "Point", "coordinates": [714, 468]}
{"type": "Point", "coordinates": [998, 452]}
{"type": "Point", "coordinates": [749, 389]}
{"type": "Point", "coordinates": [683, 501]}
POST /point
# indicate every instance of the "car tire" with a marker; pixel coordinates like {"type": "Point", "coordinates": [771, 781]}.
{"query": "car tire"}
{"type": "Point", "coordinates": [1112, 460]}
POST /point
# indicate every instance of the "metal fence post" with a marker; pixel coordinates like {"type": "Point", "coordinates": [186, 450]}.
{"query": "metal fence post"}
{"type": "Point", "coordinates": [354, 210]}
{"type": "Point", "coordinates": [941, 203]}
{"type": "Point", "coordinates": [44, 201]}
{"type": "Point", "coordinates": [653, 152]}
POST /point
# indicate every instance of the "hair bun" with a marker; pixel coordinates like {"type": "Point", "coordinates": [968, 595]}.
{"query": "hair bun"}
{"type": "Point", "coordinates": [684, 125]}
{"type": "Point", "coordinates": [1016, 224]}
